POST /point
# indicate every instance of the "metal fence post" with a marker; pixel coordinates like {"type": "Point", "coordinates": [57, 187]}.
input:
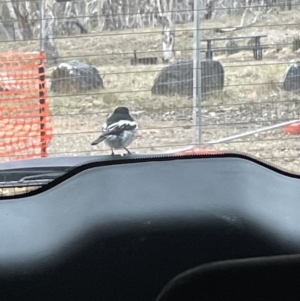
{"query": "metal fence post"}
{"type": "Point", "coordinates": [197, 77]}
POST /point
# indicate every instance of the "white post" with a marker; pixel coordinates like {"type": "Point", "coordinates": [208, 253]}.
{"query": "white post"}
{"type": "Point", "coordinates": [197, 77]}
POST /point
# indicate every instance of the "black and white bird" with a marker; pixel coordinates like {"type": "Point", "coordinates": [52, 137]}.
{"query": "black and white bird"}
{"type": "Point", "coordinates": [119, 130]}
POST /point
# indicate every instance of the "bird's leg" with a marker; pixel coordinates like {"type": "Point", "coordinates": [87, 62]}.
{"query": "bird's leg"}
{"type": "Point", "coordinates": [112, 152]}
{"type": "Point", "coordinates": [129, 152]}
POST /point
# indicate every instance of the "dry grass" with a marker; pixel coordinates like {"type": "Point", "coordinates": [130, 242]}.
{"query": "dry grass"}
{"type": "Point", "coordinates": [252, 96]}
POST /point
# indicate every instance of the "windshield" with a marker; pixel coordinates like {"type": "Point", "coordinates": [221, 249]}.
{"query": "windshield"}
{"type": "Point", "coordinates": [99, 78]}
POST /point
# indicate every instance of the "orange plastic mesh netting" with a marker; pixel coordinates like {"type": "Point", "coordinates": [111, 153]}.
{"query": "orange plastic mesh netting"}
{"type": "Point", "coordinates": [25, 117]}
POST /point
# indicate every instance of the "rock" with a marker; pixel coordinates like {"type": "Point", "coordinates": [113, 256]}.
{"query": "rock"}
{"type": "Point", "coordinates": [177, 78]}
{"type": "Point", "coordinates": [75, 76]}
{"type": "Point", "coordinates": [291, 81]}
{"type": "Point", "coordinates": [232, 47]}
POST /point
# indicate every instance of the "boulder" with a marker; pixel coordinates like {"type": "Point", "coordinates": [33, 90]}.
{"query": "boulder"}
{"type": "Point", "coordinates": [291, 81]}
{"type": "Point", "coordinates": [177, 78]}
{"type": "Point", "coordinates": [75, 76]}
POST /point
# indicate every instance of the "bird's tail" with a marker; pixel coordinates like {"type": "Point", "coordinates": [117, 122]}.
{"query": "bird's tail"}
{"type": "Point", "coordinates": [97, 141]}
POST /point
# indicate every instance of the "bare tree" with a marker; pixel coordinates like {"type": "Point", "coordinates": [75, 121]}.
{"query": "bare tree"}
{"type": "Point", "coordinates": [23, 23]}
{"type": "Point", "coordinates": [48, 33]}
{"type": "Point", "coordinates": [168, 33]}
{"type": "Point", "coordinates": [20, 19]}
{"type": "Point", "coordinates": [210, 7]}
{"type": "Point", "coordinates": [17, 32]}
{"type": "Point", "coordinates": [168, 40]}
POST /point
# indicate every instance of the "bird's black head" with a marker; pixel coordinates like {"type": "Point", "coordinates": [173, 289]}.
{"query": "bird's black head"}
{"type": "Point", "coordinates": [121, 110]}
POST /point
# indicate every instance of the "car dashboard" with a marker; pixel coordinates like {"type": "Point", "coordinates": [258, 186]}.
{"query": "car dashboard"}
{"type": "Point", "coordinates": [122, 230]}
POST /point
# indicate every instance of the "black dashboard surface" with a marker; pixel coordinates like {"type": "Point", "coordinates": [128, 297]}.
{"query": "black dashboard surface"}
{"type": "Point", "coordinates": [121, 232]}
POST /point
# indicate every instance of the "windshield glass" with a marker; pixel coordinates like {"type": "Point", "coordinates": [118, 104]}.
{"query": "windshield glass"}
{"type": "Point", "coordinates": [145, 77]}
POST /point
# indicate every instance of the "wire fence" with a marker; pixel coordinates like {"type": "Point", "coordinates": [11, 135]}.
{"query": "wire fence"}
{"type": "Point", "coordinates": [140, 54]}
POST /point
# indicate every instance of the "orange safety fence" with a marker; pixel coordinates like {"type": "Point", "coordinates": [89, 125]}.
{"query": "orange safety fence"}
{"type": "Point", "coordinates": [25, 117]}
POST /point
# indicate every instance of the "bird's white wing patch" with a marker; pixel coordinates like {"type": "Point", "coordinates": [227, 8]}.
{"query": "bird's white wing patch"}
{"type": "Point", "coordinates": [122, 124]}
{"type": "Point", "coordinates": [104, 127]}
